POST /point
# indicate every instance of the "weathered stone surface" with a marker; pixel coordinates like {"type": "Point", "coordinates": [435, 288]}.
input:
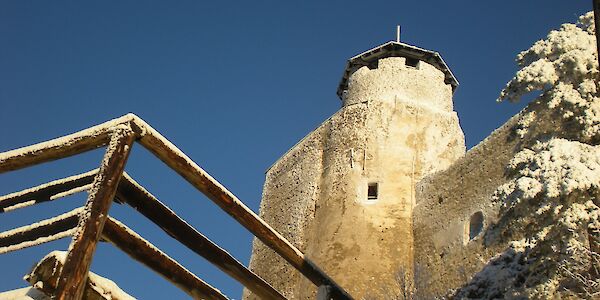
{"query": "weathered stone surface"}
{"type": "Point", "coordinates": [288, 204]}
{"type": "Point", "coordinates": [444, 251]}
{"type": "Point", "coordinates": [396, 126]}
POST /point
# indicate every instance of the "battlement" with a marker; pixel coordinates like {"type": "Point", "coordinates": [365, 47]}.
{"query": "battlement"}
{"type": "Point", "coordinates": [401, 79]}
{"type": "Point", "coordinates": [413, 55]}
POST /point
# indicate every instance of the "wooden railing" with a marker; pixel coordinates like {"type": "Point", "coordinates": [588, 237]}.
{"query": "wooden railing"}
{"type": "Point", "coordinates": [88, 224]}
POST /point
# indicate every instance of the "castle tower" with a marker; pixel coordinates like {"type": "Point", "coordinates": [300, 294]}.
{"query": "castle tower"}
{"type": "Point", "coordinates": [344, 194]}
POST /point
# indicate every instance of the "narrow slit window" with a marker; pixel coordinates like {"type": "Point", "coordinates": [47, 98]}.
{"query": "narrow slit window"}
{"type": "Point", "coordinates": [412, 62]}
{"type": "Point", "coordinates": [372, 191]}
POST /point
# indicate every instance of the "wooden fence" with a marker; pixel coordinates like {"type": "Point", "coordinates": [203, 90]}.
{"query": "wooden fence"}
{"type": "Point", "coordinates": [88, 224]}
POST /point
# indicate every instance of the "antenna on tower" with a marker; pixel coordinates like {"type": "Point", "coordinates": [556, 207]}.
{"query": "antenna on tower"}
{"type": "Point", "coordinates": [398, 28]}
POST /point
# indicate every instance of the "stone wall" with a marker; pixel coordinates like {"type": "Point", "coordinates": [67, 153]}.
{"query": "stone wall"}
{"type": "Point", "coordinates": [363, 243]}
{"type": "Point", "coordinates": [448, 252]}
{"type": "Point", "coordinates": [288, 203]}
{"type": "Point", "coordinates": [396, 126]}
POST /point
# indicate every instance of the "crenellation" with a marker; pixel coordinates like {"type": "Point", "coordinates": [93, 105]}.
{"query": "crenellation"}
{"type": "Point", "coordinates": [393, 81]}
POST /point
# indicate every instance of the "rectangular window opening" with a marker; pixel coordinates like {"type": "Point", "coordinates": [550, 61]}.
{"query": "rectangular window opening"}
{"type": "Point", "coordinates": [373, 65]}
{"type": "Point", "coordinates": [412, 62]}
{"type": "Point", "coordinates": [372, 191]}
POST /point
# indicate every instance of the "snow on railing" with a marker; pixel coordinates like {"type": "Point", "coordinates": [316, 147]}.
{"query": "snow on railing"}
{"type": "Point", "coordinates": [109, 183]}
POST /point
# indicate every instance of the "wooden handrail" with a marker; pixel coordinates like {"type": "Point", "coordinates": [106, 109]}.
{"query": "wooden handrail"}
{"type": "Point", "coordinates": [69, 145]}
{"type": "Point", "coordinates": [163, 149]}
{"type": "Point", "coordinates": [143, 251]}
{"type": "Point", "coordinates": [228, 202]}
{"type": "Point", "coordinates": [133, 194]}
{"type": "Point", "coordinates": [41, 232]}
{"type": "Point", "coordinates": [148, 205]}
{"type": "Point", "coordinates": [46, 192]}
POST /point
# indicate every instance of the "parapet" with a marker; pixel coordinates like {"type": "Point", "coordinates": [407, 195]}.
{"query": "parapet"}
{"type": "Point", "coordinates": [395, 49]}
{"type": "Point", "coordinates": [400, 80]}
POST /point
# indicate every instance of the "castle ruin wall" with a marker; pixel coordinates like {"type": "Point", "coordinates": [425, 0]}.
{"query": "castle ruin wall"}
{"type": "Point", "coordinates": [449, 246]}
{"type": "Point", "coordinates": [289, 197]}
{"type": "Point", "coordinates": [318, 194]}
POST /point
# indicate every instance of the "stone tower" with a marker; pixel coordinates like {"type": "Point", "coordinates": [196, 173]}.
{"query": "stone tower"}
{"type": "Point", "coordinates": [344, 194]}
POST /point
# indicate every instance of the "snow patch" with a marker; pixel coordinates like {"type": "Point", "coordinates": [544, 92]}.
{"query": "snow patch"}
{"type": "Point", "coordinates": [106, 288]}
{"type": "Point", "coordinates": [549, 214]}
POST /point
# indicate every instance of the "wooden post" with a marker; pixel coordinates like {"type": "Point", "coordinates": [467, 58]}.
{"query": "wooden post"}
{"type": "Point", "coordinates": [91, 222]}
{"type": "Point", "coordinates": [120, 134]}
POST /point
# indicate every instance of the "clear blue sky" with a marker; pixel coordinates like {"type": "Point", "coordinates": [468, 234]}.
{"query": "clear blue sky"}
{"type": "Point", "coordinates": [233, 84]}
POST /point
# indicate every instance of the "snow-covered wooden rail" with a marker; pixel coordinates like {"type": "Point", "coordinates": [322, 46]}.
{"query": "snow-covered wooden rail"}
{"type": "Point", "coordinates": [135, 195]}
{"type": "Point", "coordinates": [143, 251]}
{"type": "Point", "coordinates": [130, 192]}
{"type": "Point", "coordinates": [47, 192]}
{"type": "Point", "coordinates": [110, 181]}
{"type": "Point", "coordinates": [41, 232]}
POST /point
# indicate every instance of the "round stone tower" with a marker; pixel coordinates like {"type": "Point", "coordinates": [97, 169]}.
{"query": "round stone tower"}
{"type": "Point", "coordinates": [396, 126]}
{"type": "Point", "coordinates": [345, 193]}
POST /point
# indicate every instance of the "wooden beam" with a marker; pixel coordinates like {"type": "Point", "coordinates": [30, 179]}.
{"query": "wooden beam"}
{"type": "Point", "coordinates": [139, 198]}
{"type": "Point", "coordinates": [201, 180]}
{"type": "Point", "coordinates": [41, 232]}
{"type": "Point", "coordinates": [100, 135]}
{"type": "Point", "coordinates": [131, 192]}
{"type": "Point", "coordinates": [143, 201]}
{"type": "Point", "coordinates": [74, 274]}
{"type": "Point", "coordinates": [82, 141]}
{"type": "Point", "coordinates": [46, 192]}
{"type": "Point", "coordinates": [143, 251]}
